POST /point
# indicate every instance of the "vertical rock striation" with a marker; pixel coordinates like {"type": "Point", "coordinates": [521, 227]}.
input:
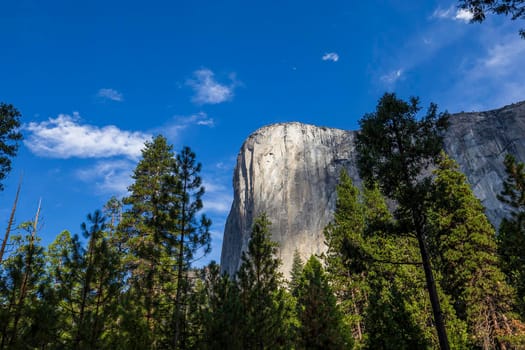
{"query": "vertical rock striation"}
{"type": "Point", "coordinates": [290, 171]}
{"type": "Point", "coordinates": [479, 143]}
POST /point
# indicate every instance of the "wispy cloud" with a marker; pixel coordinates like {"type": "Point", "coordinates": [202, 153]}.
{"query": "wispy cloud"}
{"type": "Point", "coordinates": [217, 200]}
{"type": "Point", "coordinates": [419, 49]}
{"type": "Point", "coordinates": [218, 197]}
{"type": "Point", "coordinates": [179, 123]}
{"type": "Point", "coordinates": [110, 94]}
{"type": "Point", "coordinates": [442, 13]}
{"type": "Point", "coordinates": [109, 177]}
{"type": "Point", "coordinates": [491, 79]}
{"type": "Point", "coordinates": [65, 137]}
{"type": "Point", "coordinates": [453, 13]}
{"type": "Point", "coordinates": [330, 56]}
{"type": "Point", "coordinates": [217, 182]}
{"type": "Point", "coordinates": [503, 57]}
{"type": "Point", "coordinates": [208, 90]}
{"type": "Point", "coordinates": [391, 77]}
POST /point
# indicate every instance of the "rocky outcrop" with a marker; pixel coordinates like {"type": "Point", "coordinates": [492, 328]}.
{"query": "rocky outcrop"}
{"type": "Point", "coordinates": [290, 172]}
{"type": "Point", "coordinates": [479, 143]}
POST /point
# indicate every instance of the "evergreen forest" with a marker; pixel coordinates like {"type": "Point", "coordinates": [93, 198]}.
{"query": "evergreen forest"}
{"type": "Point", "coordinates": [411, 260]}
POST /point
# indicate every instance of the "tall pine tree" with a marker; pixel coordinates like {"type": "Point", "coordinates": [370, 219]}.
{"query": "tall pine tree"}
{"type": "Point", "coordinates": [218, 310]}
{"type": "Point", "coordinates": [346, 229]}
{"type": "Point", "coordinates": [190, 234]}
{"type": "Point", "coordinates": [264, 310]}
{"type": "Point", "coordinates": [150, 255]}
{"type": "Point", "coordinates": [321, 323]}
{"type": "Point", "coordinates": [394, 149]}
{"type": "Point", "coordinates": [511, 235]}
{"type": "Point", "coordinates": [466, 248]}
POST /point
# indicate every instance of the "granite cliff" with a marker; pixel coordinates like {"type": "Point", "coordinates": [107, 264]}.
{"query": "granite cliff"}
{"type": "Point", "coordinates": [290, 171]}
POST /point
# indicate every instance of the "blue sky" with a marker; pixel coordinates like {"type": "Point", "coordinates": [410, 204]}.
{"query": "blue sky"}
{"type": "Point", "coordinates": [95, 79]}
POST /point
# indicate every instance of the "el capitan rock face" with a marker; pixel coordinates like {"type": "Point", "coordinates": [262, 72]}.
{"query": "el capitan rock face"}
{"type": "Point", "coordinates": [290, 171]}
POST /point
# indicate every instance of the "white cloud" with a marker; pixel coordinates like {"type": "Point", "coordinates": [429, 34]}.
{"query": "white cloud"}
{"type": "Point", "coordinates": [330, 56]}
{"type": "Point", "coordinates": [109, 177]}
{"type": "Point", "coordinates": [207, 122]}
{"type": "Point", "coordinates": [208, 90]}
{"type": "Point", "coordinates": [455, 14]}
{"type": "Point", "coordinates": [463, 15]}
{"type": "Point", "coordinates": [65, 137]}
{"type": "Point", "coordinates": [110, 94]}
{"type": "Point", "coordinates": [391, 77]}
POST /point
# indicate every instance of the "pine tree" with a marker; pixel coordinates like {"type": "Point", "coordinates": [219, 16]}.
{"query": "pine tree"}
{"type": "Point", "coordinates": [150, 258]}
{"type": "Point", "coordinates": [218, 310]}
{"type": "Point", "coordinates": [295, 272]}
{"type": "Point", "coordinates": [394, 149]}
{"type": "Point", "coordinates": [9, 138]}
{"type": "Point", "coordinates": [162, 236]}
{"type": "Point", "coordinates": [190, 234]}
{"type": "Point", "coordinates": [25, 293]}
{"type": "Point", "coordinates": [321, 324]}
{"type": "Point", "coordinates": [397, 313]}
{"type": "Point", "coordinates": [61, 271]}
{"type": "Point", "coordinates": [89, 282]}
{"type": "Point", "coordinates": [347, 279]}
{"type": "Point", "coordinates": [389, 319]}
{"type": "Point", "coordinates": [511, 235]}
{"type": "Point", "coordinates": [262, 299]}
{"type": "Point", "coordinates": [113, 211]}
{"type": "Point", "coordinates": [466, 249]}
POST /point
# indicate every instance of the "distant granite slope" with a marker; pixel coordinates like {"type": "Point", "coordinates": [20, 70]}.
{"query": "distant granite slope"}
{"type": "Point", "coordinates": [290, 171]}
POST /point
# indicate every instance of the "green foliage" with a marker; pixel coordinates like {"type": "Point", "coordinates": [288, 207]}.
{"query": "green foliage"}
{"type": "Point", "coordinates": [9, 138]}
{"type": "Point", "coordinates": [262, 298]}
{"type": "Point", "coordinates": [189, 235]}
{"type": "Point", "coordinates": [131, 285]}
{"type": "Point", "coordinates": [466, 248]}
{"type": "Point", "coordinates": [146, 231]}
{"type": "Point", "coordinates": [28, 313]}
{"type": "Point", "coordinates": [88, 283]}
{"type": "Point", "coordinates": [389, 320]}
{"type": "Point", "coordinates": [295, 272]}
{"type": "Point", "coordinates": [321, 323]}
{"type": "Point", "coordinates": [218, 311]}
{"type": "Point", "coordinates": [397, 286]}
{"type": "Point", "coordinates": [511, 235]}
{"type": "Point", "coordinates": [395, 147]}
{"type": "Point", "coordinates": [346, 257]}
{"type": "Point", "coordinates": [161, 234]}
{"type": "Point", "coordinates": [375, 274]}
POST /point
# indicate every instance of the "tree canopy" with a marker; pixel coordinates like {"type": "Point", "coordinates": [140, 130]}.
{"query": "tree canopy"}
{"type": "Point", "coordinates": [9, 138]}
{"type": "Point", "coordinates": [480, 8]}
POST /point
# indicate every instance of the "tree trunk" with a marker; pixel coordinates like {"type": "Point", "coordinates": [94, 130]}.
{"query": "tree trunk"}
{"type": "Point", "coordinates": [180, 264]}
{"type": "Point", "coordinates": [432, 290]}
{"type": "Point", "coordinates": [10, 222]}
{"type": "Point", "coordinates": [27, 274]}
{"type": "Point", "coordinates": [85, 289]}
